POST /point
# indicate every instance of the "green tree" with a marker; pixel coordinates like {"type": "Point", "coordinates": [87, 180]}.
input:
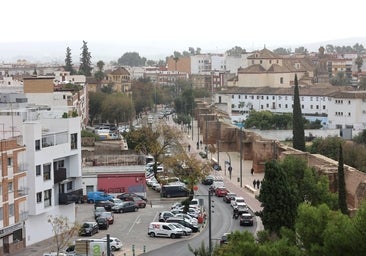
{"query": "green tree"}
{"type": "Point", "coordinates": [362, 83]}
{"type": "Point", "coordinates": [326, 146]}
{"type": "Point", "coordinates": [235, 51]}
{"type": "Point", "coordinates": [342, 194]}
{"type": "Point", "coordinates": [282, 51]}
{"type": "Point", "coordinates": [132, 59]}
{"type": "Point", "coordinates": [85, 60]}
{"type": "Point", "coordinates": [99, 75]}
{"type": "Point", "coordinates": [311, 223]}
{"type": "Point", "coordinates": [95, 105]}
{"type": "Point", "coordinates": [63, 231]}
{"type": "Point", "coordinates": [298, 123]}
{"type": "Point", "coordinates": [301, 50]}
{"type": "Point", "coordinates": [340, 79]}
{"type": "Point", "coordinates": [117, 108]}
{"type": "Point", "coordinates": [360, 138]}
{"type": "Point", "coordinates": [68, 62]}
{"type": "Point", "coordinates": [278, 199]}
{"type": "Point", "coordinates": [359, 63]}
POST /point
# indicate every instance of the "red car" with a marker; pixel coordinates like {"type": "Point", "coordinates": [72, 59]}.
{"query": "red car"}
{"type": "Point", "coordinates": [221, 191]}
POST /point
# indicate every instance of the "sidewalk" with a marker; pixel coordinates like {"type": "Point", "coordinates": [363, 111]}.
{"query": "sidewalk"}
{"type": "Point", "coordinates": [244, 188]}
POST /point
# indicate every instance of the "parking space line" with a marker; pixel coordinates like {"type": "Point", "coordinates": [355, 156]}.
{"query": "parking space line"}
{"type": "Point", "coordinates": [137, 221]}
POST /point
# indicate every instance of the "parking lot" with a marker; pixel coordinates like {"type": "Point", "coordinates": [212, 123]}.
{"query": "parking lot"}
{"type": "Point", "coordinates": [131, 227]}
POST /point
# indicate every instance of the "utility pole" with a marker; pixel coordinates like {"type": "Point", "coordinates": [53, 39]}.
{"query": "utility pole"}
{"type": "Point", "coordinates": [241, 156]}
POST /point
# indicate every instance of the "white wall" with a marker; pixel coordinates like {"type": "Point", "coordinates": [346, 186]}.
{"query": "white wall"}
{"type": "Point", "coordinates": [38, 229]}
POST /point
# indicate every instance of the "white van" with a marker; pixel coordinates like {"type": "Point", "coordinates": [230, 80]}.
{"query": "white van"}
{"type": "Point", "coordinates": [164, 229]}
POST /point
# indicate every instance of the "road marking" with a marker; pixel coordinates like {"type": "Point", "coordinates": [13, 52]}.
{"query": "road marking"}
{"type": "Point", "coordinates": [137, 221]}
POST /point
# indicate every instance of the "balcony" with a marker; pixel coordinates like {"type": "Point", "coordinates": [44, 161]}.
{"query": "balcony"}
{"type": "Point", "coordinates": [71, 197]}
{"type": "Point", "coordinates": [59, 175]}
{"type": "Point", "coordinates": [22, 191]}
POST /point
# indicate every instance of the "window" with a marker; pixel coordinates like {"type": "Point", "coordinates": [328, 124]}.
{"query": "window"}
{"type": "Point", "coordinates": [10, 161]}
{"type": "Point", "coordinates": [1, 213]}
{"type": "Point", "coordinates": [311, 106]}
{"type": "Point", "coordinates": [302, 106]}
{"type": "Point", "coordinates": [11, 210]}
{"type": "Point", "coordinates": [238, 96]}
{"type": "Point", "coordinates": [232, 96]}
{"type": "Point", "coordinates": [10, 186]}
{"type": "Point", "coordinates": [261, 106]}
{"type": "Point", "coordinates": [47, 198]}
{"type": "Point", "coordinates": [279, 105]}
{"type": "Point", "coordinates": [317, 106]}
{"type": "Point", "coordinates": [38, 145]}
{"type": "Point", "coordinates": [39, 197]}
{"type": "Point", "coordinates": [324, 107]}
{"type": "Point", "coordinates": [69, 185]}
{"type": "Point", "coordinates": [286, 106]}
{"type": "Point", "coordinates": [18, 235]}
{"type": "Point", "coordinates": [38, 170]}
{"type": "Point", "coordinates": [74, 141]}
{"type": "Point", "coordinates": [46, 171]}
{"type": "Point", "coordinates": [281, 80]}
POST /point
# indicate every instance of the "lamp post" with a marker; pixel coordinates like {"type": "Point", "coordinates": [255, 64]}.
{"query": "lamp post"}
{"type": "Point", "coordinates": [241, 156]}
{"type": "Point", "coordinates": [206, 147]}
{"type": "Point", "coordinates": [218, 139]}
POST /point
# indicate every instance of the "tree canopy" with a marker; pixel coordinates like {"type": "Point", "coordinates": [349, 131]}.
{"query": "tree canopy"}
{"type": "Point", "coordinates": [85, 60]}
{"type": "Point", "coordinates": [132, 59]}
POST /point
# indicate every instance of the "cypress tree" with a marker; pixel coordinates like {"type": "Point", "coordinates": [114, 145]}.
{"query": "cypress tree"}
{"type": "Point", "coordinates": [68, 62]}
{"type": "Point", "coordinates": [85, 60]}
{"type": "Point", "coordinates": [298, 140]}
{"type": "Point", "coordinates": [342, 200]}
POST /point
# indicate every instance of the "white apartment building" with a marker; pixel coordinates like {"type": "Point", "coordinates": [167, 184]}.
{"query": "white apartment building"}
{"type": "Point", "coordinates": [347, 109]}
{"type": "Point", "coordinates": [53, 155]}
{"type": "Point", "coordinates": [336, 108]}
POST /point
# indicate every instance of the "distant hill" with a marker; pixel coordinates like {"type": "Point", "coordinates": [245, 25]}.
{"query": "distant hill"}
{"type": "Point", "coordinates": [55, 51]}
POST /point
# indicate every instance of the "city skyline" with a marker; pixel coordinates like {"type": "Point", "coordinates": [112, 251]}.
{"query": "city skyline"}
{"type": "Point", "coordinates": [157, 28]}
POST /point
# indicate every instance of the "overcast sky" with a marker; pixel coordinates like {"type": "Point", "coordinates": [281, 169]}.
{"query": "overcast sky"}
{"type": "Point", "coordinates": [171, 25]}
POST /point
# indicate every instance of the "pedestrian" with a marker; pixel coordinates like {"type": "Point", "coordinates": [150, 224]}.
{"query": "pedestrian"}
{"type": "Point", "coordinates": [198, 145]}
{"type": "Point", "coordinates": [258, 183]}
{"type": "Point", "coordinates": [252, 171]}
{"type": "Point", "coordinates": [189, 148]}
{"type": "Point", "coordinates": [201, 143]}
{"type": "Point", "coordinates": [254, 183]}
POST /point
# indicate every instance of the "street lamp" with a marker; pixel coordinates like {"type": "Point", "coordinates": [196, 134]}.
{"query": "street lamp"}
{"type": "Point", "coordinates": [241, 155]}
{"type": "Point", "coordinates": [218, 139]}
{"type": "Point", "coordinates": [206, 147]}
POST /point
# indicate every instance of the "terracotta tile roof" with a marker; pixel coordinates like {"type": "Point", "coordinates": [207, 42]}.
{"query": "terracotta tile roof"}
{"type": "Point", "coordinates": [303, 91]}
{"type": "Point", "coordinates": [264, 54]}
{"type": "Point", "coordinates": [257, 68]}
{"type": "Point", "coordinates": [275, 68]}
{"type": "Point", "coordinates": [349, 94]}
{"type": "Point", "coordinates": [120, 71]}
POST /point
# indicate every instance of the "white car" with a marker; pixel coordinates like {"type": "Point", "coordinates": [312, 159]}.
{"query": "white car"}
{"type": "Point", "coordinates": [187, 217]}
{"type": "Point", "coordinates": [186, 231]}
{"type": "Point", "coordinates": [164, 229]}
{"type": "Point", "coordinates": [114, 243]}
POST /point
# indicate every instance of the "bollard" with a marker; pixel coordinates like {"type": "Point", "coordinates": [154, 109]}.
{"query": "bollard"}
{"type": "Point", "coordinates": [144, 248]}
{"type": "Point", "coordinates": [238, 179]}
{"type": "Point", "coordinates": [133, 250]}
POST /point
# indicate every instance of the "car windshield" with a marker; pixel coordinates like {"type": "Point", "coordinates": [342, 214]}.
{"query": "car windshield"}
{"type": "Point", "coordinates": [86, 225]}
{"type": "Point", "coordinates": [240, 200]}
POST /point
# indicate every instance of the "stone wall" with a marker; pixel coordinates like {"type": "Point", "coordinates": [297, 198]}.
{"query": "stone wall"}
{"type": "Point", "coordinates": [260, 150]}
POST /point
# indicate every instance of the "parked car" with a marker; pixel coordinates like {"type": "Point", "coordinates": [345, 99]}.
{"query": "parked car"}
{"type": "Point", "coordinates": [221, 191]}
{"type": "Point", "coordinates": [229, 196]}
{"type": "Point", "coordinates": [103, 222]}
{"type": "Point", "coordinates": [246, 219]}
{"type": "Point", "coordinates": [185, 216]}
{"type": "Point", "coordinates": [89, 228]}
{"type": "Point", "coordinates": [98, 211]}
{"type": "Point", "coordinates": [126, 195]}
{"type": "Point", "coordinates": [186, 231]}
{"type": "Point", "coordinates": [95, 196]}
{"type": "Point", "coordinates": [106, 204]}
{"type": "Point", "coordinates": [164, 230]}
{"type": "Point", "coordinates": [109, 216]}
{"type": "Point", "coordinates": [185, 223]}
{"type": "Point", "coordinates": [138, 201]}
{"type": "Point", "coordinates": [114, 243]}
{"type": "Point", "coordinates": [115, 200]}
{"type": "Point", "coordinates": [164, 215]}
{"type": "Point", "coordinates": [127, 206]}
